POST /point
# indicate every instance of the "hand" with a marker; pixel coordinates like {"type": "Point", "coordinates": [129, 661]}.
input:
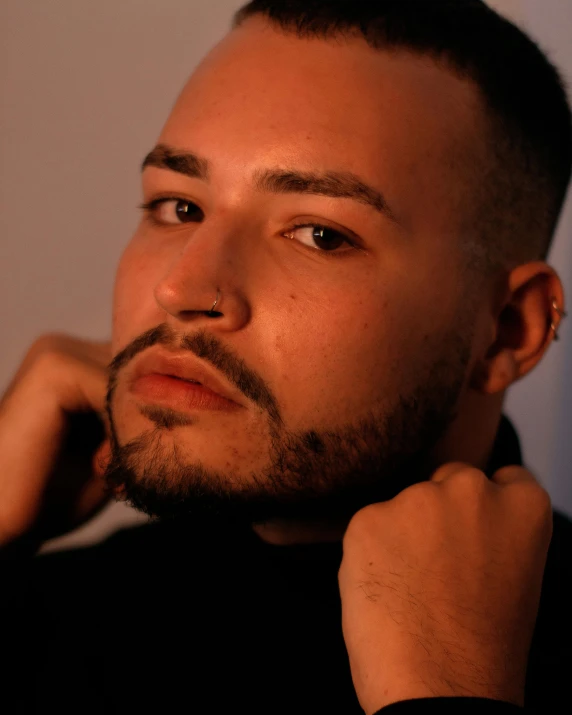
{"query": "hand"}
{"type": "Point", "coordinates": [53, 439]}
{"type": "Point", "coordinates": [440, 587]}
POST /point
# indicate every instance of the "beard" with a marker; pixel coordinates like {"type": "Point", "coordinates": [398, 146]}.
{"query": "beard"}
{"type": "Point", "coordinates": [312, 475]}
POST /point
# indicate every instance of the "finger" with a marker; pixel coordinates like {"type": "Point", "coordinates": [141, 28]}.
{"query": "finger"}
{"type": "Point", "coordinates": [101, 459]}
{"type": "Point", "coordinates": [447, 470]}
{"type": "Point", "coordinates": [513, 474]}
{"type": "Point", "coordinates": [104, 417]}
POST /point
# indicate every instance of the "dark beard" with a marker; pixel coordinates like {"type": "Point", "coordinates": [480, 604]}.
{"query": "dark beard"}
{"type": "Point", "coordinates": [312, 475]}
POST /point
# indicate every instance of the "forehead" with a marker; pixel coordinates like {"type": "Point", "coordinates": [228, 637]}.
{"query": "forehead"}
{"type": "Point", "coordinates": [262, 96]}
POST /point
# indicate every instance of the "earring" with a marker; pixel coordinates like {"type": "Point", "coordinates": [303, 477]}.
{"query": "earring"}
{"type": "Point", "coordinates": [561, 313]}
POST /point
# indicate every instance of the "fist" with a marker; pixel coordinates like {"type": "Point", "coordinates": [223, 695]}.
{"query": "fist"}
{"type": "Point", "coordinates": [440, 587]}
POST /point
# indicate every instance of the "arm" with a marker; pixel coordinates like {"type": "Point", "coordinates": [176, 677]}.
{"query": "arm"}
{"type": "Point", "coordinates": [440, 590]}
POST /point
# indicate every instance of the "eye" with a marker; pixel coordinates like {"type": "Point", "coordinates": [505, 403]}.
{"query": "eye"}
{"type": "Point", "coordinates": [322, 238]}
{"type": "Point", "coordinates": [172, 211]}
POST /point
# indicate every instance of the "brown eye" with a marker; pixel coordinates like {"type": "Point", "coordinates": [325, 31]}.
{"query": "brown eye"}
{"type": "Point", "coordinates": [327, 238]}
{"type": "Point", "coordinates": [172, 212]}
{"type": "Point", "coordinates": [187, 212]}
{"type": "Point", "coordinates": [319, 237]}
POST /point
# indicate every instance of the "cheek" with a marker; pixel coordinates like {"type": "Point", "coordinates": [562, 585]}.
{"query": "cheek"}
{"type": "Point", "coordinates": [134, 308]}
{"type": "Point", "coordinates": [334, 358]}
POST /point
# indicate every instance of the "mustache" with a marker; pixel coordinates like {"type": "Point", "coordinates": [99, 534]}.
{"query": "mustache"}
{"type": "Point", "coordinates": [208, 348]}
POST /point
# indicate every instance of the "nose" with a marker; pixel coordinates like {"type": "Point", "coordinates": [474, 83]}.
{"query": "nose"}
{"type": "Point", "coordinates": [205, 283]}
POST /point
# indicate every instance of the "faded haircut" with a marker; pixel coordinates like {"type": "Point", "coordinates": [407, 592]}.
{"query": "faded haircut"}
{"type": "Point", "coordinates": [515, 188]}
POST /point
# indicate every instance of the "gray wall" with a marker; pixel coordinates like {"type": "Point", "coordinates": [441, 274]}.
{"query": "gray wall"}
{"type": "Point", "coordinates": [85, 86]}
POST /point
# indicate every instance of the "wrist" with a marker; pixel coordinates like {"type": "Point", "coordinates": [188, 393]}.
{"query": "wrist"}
{"type": "Point", "coordinates": [374, 696]}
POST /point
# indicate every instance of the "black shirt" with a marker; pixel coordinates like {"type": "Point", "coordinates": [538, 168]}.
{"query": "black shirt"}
{"type": "Point", "coordinates": [176, 617]}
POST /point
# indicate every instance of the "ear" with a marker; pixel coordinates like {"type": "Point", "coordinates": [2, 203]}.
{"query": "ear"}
{"type": "Point", "coordinates": [521, 327]}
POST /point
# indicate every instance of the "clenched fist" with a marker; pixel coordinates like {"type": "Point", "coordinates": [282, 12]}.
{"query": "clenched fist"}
{"type": "Point", "coordinates": [440, 587]}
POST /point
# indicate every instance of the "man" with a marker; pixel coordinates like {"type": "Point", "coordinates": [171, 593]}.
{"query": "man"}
{"type": "Point", "coordinates": [339, 272]}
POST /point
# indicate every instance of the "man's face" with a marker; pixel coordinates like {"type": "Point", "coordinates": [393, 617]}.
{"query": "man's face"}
{"type": "Point", "coordinates": [347, 342]}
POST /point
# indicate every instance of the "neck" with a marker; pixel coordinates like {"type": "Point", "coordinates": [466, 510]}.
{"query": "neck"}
{"type": "Point", "coordinates": [470, 438]}
{"type": "Point", "coordinates": [283, 532]}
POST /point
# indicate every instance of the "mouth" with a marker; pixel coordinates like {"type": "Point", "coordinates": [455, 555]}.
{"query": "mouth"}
{"type": "Point", "coordinates": [179, 393]}
{"type": "Point", "coordinates": [183, 370]}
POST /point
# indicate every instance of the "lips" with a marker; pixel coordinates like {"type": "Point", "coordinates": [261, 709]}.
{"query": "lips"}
{"type": "Point", "coordinates": [184, 367]}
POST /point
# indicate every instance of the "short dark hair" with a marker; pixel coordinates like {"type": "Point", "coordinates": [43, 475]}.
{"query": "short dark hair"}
{"type": "Point", "coordinates": [517, 191]}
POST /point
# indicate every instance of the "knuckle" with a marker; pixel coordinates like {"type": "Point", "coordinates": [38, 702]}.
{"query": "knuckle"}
{"type": "Point", "coordinates": [544, 500]}
{"type": "Point", "coordinates": [68, 349]}
{"type": "Point", "coordinates": [533, 504]}
{"type": "Point", "coordinates": [422, 491]}
{"type": "Point", "coordinates": [40, 361]}
{"type": "Point", "coordinates": [48, 342]}
{"type": "Point", "coordinates": [468, 479]}
{"type": "Point", "coordinates": [419, 498]}
{"type": "Point", "coordinates": [51, 362]}
{"type": "Point", "coordinates": [47, 352]}
{"type": "Point", "coordinates": [362, 522]}
{"type": "Point", "coordinates": [538, 502]}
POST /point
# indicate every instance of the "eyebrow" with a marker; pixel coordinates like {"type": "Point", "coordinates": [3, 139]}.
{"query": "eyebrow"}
{"type": "Point", "coordinates": [336, 184]}
{"type": "Point", "coordinates": [163, 157]}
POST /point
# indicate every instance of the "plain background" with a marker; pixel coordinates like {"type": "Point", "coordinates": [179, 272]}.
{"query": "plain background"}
{"type": "Point", "coordinates": [85, 86]}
